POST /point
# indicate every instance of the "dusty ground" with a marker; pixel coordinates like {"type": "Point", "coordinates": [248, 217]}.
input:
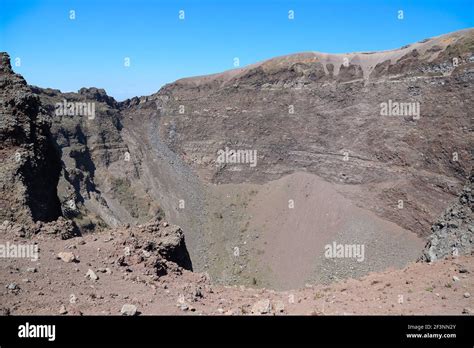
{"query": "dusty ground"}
{"type": "Point", "coordinates": [442, 287]}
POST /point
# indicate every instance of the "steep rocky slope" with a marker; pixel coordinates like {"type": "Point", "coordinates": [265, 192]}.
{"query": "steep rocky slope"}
{"type": "Point", "coordinates": [99, 185]}
{"type": "Point", "coordinates": [315, 113]}
{"type": "Point", "coordinates": [304, 112]}
{"type": "Point", "coordinates": [47, 173]}
{"type": "Point", "coordinates": [30, 163]}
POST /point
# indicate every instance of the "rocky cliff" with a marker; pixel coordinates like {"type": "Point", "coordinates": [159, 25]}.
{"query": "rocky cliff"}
{"type": "Point", "coordinates": [322, 113]}
{"type": "Point", "coordinates": [453, 233]}
{"type": "Point", "coordinates": [30, 161]}
{"type": "Point", "coordinates": [99, 184]}
{"type": "Point", "coordinates": [58, 176]}
{"type": "Point", "coordinates": [390, 131]}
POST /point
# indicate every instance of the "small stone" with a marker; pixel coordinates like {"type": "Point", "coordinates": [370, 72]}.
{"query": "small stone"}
{"type": "Point", "coordinates": [181, 300]}
{"type": "Point", "coordinates": [62, 310]}
{"type": "Point", "coordinates": [104, 270]}
{"type": "Point", "coordinates": [467, 295]}
{"type": "Point", "coordinates": [72, 299]}
{"type": "Point", "coordinates": [31, 269]}
{"type": "Point", "coordinates": [4, 311]}
{"type": "Point", "coordinates": [67, 256]}
{"type": "Point", "coordinates": [467, 310]}
{"type": "Point", "coordinates": [262, 307]}
{"type": "Point", "coordinates": [129, 309]}
{"type": "Point", "coordinates": [279, 306]}
{"type": "Point", "coordinates": [463, 270]}
{"type": "Point", "coordinates": [456, 279]}
{"type": "Point", "coordinates": [12, 287]}
{"type": "Point", "coordinates": [197, 294]}
{"type": "Point", "coordinates": [91, 275]}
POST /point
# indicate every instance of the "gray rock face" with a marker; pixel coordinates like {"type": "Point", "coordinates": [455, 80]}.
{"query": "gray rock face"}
{"type": "Point", "coordinates": [453, 233]}
{"type": "Point", "coordinates": [30, 163]}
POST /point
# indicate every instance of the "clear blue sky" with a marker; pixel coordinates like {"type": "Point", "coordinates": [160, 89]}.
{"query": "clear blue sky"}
{"type": "Point", "coordinates": [67, 54]}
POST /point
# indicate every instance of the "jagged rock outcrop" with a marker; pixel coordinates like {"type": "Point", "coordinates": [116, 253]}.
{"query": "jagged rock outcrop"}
{"type": "Point", "coordinates": [453, 233]}
{"type": "Point", "coordinates": [30, 162]}
{"type": "Point", "coordinates": [156, 247]}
